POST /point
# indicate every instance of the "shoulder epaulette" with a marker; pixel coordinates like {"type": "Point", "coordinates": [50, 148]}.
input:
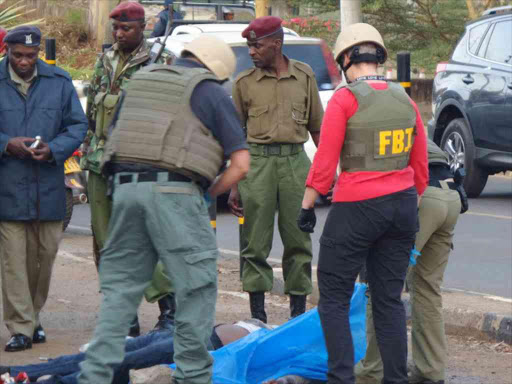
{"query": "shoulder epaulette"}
{"type": "Point", "coordinates": [243, 74]}
{"type": "Point", "coordinates": [303, 67]}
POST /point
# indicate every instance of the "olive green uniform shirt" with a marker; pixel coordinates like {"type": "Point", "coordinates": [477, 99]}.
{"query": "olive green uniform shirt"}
{"type": "Point", "coordinates": [278, 110]}
{"type": "Point", "coordinates": [21, 84]}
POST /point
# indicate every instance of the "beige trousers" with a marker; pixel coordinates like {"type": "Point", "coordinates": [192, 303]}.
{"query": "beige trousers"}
{"type": "Point", "coordinates": [438, 213]}
{"type": "Point", "coordinates": [27, 253]}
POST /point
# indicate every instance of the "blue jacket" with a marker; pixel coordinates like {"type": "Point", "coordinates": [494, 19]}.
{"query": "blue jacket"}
{"type": "Point", "coordinates": [163, 19]}
{"type": "Point", "coordinates": [52, 110]}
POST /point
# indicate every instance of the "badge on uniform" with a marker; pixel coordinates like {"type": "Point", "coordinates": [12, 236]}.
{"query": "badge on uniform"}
{"type": "Point", "coordinates": [252, 35]}
{"type": "Point", "coordinates": [28, 39]}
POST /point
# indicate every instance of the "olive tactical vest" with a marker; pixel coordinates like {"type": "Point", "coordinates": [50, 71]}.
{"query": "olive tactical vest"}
{"type": "Point", "coordinates": [435, 154]}
{"type": "Point", "coordinates": [380, 135]}
{"type": "Point", "coordinates": [157, 126]}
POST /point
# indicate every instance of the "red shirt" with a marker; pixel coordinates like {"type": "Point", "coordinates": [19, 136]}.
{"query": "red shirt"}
{"type": "Point", "coordinates": [356, 186]}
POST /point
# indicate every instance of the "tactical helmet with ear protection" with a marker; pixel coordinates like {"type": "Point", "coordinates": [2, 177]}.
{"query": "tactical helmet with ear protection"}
{"type": "Point", "coordinates": [355, 35]}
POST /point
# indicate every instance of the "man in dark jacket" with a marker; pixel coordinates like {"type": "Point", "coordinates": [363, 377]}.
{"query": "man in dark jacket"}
{"type": "Point", "coordinates": [35, 100]}
{"type": "Point", "coordinates": [163, 19]}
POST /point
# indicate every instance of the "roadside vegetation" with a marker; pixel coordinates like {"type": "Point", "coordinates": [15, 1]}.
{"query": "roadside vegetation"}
{"type": "Point", "coordinates": [429, 29]}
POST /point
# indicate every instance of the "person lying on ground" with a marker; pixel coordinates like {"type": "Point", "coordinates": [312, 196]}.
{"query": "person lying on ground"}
{"type": "Point", "coordinates": [141, 352]}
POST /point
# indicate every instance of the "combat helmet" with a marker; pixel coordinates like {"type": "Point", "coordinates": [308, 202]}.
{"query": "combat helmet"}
{"type": "Point", "coordinates": [215, 55]}
{"type": "Point", "coordinates": [354, 35]}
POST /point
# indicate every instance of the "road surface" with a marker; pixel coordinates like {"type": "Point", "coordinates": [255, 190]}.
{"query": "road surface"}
{"type": "Point", "coordinates": [481, 261]}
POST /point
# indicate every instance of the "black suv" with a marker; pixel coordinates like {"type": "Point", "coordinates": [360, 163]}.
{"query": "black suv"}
{"type": "Point", "coordinates": [472, 100]}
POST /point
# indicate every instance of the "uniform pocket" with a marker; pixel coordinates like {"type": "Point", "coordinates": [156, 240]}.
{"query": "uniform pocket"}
{"type": "Point", "coordinates": [201, 269]}
{"type": "Point", "coordinates": [299, 115]}
{"type": "Point", "coordinates": [257, 123]}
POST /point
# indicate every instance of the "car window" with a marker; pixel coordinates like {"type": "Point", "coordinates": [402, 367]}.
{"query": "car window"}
{"type": "Point", "coordinates": [475, 36]}
{"type": "Point", "coordinates": [243, 14]}
{"type": "Point", "coordinates": [500, 43]}
{"type": "Point", "coordinates": [308, 53]}
{"type": "Point", "coordinates": [198, 12]}
{"type": "Point", "coordinates": [485, 42]}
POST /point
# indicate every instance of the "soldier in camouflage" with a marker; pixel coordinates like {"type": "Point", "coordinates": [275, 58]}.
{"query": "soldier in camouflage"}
{"type": "Point", "coordinates": [112, 71]}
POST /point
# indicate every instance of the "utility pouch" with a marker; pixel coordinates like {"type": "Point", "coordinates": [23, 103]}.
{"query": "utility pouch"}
{"type": "Point", "coordinates": [105, 107]}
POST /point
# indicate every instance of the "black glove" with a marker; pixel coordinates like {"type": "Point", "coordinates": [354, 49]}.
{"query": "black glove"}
{"type": "Point", "coordinates": [463, 198]}
{"type": "Point", "coordinates": [458, 177]}
{"type": "Point", "coordinates": [307, 220]}
{"type": "Point", "coordinates": [464, 203]}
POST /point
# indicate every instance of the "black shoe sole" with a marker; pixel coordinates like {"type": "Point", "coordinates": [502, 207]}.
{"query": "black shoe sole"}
{"type": "Point", "coordinates": [38, 341]}
{"type": "Point", "coordinates": [7, 349]}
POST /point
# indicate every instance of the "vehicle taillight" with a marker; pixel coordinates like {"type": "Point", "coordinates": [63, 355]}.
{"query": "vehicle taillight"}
{"type": "Point", "coordinates": [332, 67]}
{"type": "Point", "coordinates": [441, 67]}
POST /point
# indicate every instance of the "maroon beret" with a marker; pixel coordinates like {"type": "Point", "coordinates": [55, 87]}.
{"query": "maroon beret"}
{"type": "Point", "coordinates": [262, 27]}
{"type": "Point", "coordinates": [128, 11]}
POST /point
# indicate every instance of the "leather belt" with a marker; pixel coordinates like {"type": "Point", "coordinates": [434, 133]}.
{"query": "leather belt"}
{"type": "Point", "coordinates": [275, 149]}
{"type": "Point", "coordinates": [152, 176]}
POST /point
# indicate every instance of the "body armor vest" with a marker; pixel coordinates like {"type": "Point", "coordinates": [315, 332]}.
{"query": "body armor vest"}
{"type": "Point", "coordinates": [157, 126]}
{"type": "Point", "coordinates": [380, 135]}
{"type": "Point", "coordinates": [435, 154]}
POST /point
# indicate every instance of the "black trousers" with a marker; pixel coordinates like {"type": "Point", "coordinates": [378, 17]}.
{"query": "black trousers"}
{"type": "Point", "coordinates": [380, 231]}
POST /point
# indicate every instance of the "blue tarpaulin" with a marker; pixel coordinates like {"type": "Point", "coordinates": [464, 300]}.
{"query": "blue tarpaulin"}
{"type": "Point", "coordinates": [295, 348]}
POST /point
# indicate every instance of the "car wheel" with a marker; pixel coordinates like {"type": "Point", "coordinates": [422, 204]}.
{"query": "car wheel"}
{"type": "Point", "coordinates": [457, 142]}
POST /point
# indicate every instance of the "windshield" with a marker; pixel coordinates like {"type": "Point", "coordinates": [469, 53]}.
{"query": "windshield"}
{"type": "Point", "coordinates": [307, 53]}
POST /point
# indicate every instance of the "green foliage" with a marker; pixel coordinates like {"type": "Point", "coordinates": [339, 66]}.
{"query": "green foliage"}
{"type": "Point", "coordinates": [10, 15]}
{"type": "Point", "coordinates": [78, 73]}
{"type": "Point", "coordinates": [320, 6]}
{"type": "Point", "coordinates": [429, 29]}
{"type": "Point", "coordinates": [76, 17]}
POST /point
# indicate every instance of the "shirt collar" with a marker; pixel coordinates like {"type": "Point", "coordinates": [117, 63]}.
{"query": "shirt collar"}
{"type": "Point", "coordinates": [134, 53]}
{"type": "Point", "coordinates": [261, 73]}
{"type": "Point", "coordinates": [18, 80]}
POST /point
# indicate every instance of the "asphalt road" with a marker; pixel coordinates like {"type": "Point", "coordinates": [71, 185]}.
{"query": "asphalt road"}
{"type": "Point", "coordinates": [481, 261]}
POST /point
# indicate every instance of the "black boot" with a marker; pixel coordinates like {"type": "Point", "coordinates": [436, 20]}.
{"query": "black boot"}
{"type": "Point", "coordinates": [167, 307]}
{"type": "Point", "coordinates": [297, 305]}
{"type": "Point", "coordinates": [257, 300]}
{"type": "Point", "coordinates": [134, 327]}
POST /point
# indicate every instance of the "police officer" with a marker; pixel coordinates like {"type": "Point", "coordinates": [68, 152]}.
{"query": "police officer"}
{"type": "Point", "coordinates": [163, 19]}
{"type": "Point", "coordinates": [279, 105]}
{"type": "Point", "coordinates": [375, 132]}
{"type": "Point", "coordinates": [438, 214]}
{"type": "Point", "coordinates": [182, 135]}
{"type": "Point", "coordinates": [36, 99]}
{"type": "Point", "coordinates": [112, 72]}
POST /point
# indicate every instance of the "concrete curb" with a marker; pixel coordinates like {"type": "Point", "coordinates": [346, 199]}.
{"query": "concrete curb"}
{"type": "Point", "coordinates": [497, 326]}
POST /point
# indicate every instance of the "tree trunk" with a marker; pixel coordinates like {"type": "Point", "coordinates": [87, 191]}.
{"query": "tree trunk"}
{"type": "Point", "coordinates": [261, 7]}
{"type": "Point", "coordinates": [350, 11]}
{"type": "Point", "coordinates": [280, 8]}
{"type": "Point", "coordinates": [99, 22]}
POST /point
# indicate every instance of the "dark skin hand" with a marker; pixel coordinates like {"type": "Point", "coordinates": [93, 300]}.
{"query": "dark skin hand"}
{"type": "Point", "coordinates": [42, 152]}
{"type": "Point", "coordinates": [19, 147]}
